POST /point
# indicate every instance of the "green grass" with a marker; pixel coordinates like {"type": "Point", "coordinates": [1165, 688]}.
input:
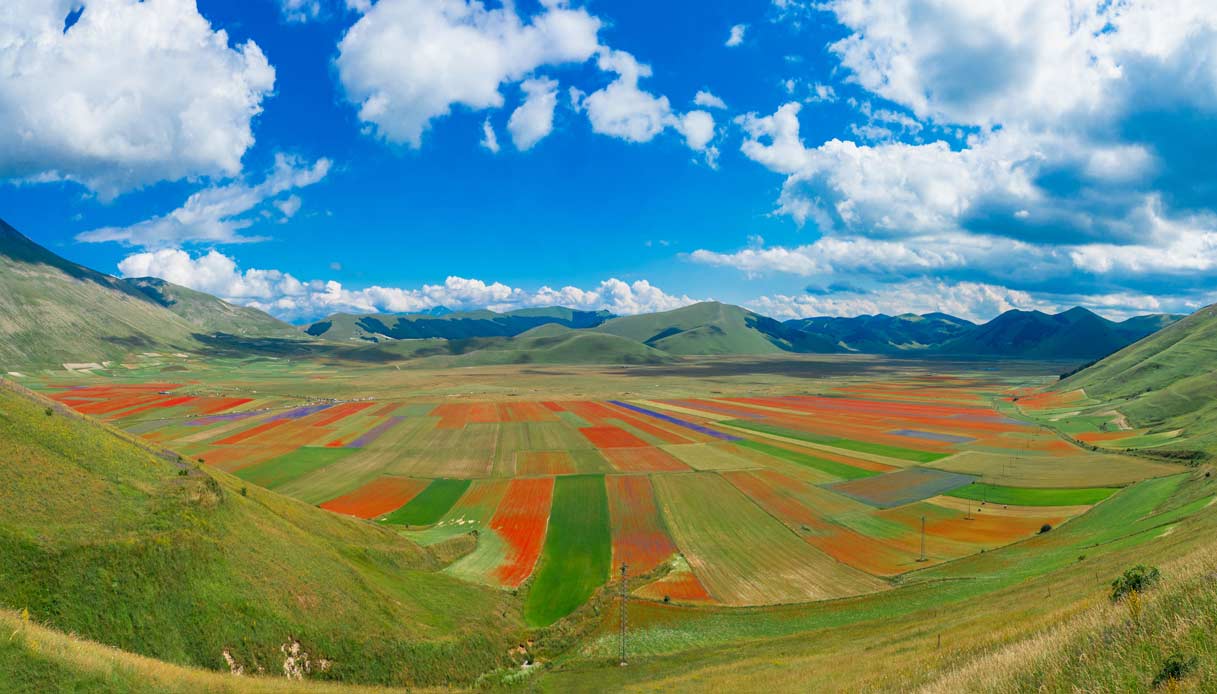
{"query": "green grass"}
{"type": "Point", "coordinates": [578, 550]}
{"type": "Point", "coordinates": [889, 451]}
{"type": "Point", "coordinates": [779, 431]}
{"type": "Point", "coordinates": [832, 467]}
{"type": "Point", "coordinates": [431, 503]}
{"type": "Point", "coordinates": [285, 468]}
{"type": "Point", "coordinates": [1033, 496]}
{"type": "Point", "coordinates": [1163, 382]}
{"type": "Point", "coordinates": [836, 442]}
{"type": "Point", "coordinates": [109, 541]}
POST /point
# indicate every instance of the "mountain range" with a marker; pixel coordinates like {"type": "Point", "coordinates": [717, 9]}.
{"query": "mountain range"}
{"type": "Point", "coordinates": [54, 311]}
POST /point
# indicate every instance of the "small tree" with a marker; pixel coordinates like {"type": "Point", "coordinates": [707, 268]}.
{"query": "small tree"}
{"type": "Point", "coordinates": [1138, 579]}
{"type": "Point", "coordinates": [1045, 528]}
{"type": "Point", "coordinates": [49, 411]}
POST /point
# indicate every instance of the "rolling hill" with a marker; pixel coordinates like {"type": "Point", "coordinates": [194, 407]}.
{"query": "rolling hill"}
{"type": "Point", "coordinates": [131, 546]}
{"type": "Point", "coordinates": [547, 344]}
{"type": "Point", "coordinates": [1166, 381]}
{"type": "Point", "coordinates": [53, 311]}
{"type": "Point", "coordinates": [883, 334]}
{"type": "Point", "coordinates": [450, 325]}
{"type": "Point", "coordinates": [714, 328]}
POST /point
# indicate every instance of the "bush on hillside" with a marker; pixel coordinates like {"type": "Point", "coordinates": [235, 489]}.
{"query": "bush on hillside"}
{"type": "Point", "coordinates": [1174, 669]}
{"type": "Point", "coordinates": [1138, 579]}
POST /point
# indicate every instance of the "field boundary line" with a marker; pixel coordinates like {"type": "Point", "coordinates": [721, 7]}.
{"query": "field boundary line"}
{"type": "Point", "coordinates": [872, 457]}
{"type": "Point", "coordinates": [712, 416]}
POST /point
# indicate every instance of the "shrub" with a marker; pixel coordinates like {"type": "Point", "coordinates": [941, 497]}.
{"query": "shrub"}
{"type": "Point", "coordinates": [244, 491]}
{"type": "Point", "coordinates": [1045, 528]}
{"type": "Point", "coordinates": [1138, 579]}
{"type": "Point", "coordinates": [49, 411]}
{"type": "Point", "coordinates": [1174, 669]}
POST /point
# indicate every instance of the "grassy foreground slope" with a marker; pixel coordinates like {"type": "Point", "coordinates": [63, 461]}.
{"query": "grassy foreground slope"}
{"type": "Point", "coordinates": [1164, 382]}
{"type": "Point", "coordinates": [35, 659]}
{"type": "Point", "coordinates": [106, 539]}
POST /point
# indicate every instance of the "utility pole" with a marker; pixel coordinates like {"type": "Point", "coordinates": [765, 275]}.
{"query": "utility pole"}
{"type": "Point", "coordinates": [922, 557]}
{"type": "Point", "coordinates": [624, 597]}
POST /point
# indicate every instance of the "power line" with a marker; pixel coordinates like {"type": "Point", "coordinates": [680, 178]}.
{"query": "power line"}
{"type": "Point", "coordinates": [624, 597]}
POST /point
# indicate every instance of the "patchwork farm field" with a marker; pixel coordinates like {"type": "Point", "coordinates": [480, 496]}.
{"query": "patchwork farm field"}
{"type": "Point", "coordinates": [737, 490]}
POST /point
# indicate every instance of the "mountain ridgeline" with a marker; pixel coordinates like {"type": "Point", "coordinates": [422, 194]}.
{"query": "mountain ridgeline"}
{"type": "Point", "coordinates": [450, 325]}
{"type": "Point", "coordinates": [712, 328]}
{"type": "Point", "coordinates": [55, 312]}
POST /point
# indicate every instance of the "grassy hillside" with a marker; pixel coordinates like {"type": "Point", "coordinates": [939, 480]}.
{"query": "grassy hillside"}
{"type": "Point", "coordinates": [209, 314]}
{"type": "Point", "coordinates": [713, 328]}
{"type": "Point", "coordinates": [131, 548]}
{"type": "Point", "coordinates": [451, 326]}
{"type": "Point", "coordinates": [53, 311]}
{"type": "Point", "coordinates": [35, 659]}
{"type": "Point", "coordinates": [1164, 382]}
{"type": "Point", "coordinates": [549, 344]}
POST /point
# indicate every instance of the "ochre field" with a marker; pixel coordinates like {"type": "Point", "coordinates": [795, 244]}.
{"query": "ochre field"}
{"type": "Point", "coordinates": [727, 498]}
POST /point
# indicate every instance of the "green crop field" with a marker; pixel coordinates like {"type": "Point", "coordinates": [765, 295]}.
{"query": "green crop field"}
{"type": "Point", "coordinates": [831, 467]}
{"type": "Point", "coordinates": [279, 471]}
{"type": "Point", "coordinates": [1033, 496]}
{"type": "Point", "coordinates": [575, 560]}
{"type": "Point", "coordinates": [431, 504]}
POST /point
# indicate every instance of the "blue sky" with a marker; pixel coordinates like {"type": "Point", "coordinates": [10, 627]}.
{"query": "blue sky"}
{"type": "Point", "coordinates": [311, 156]}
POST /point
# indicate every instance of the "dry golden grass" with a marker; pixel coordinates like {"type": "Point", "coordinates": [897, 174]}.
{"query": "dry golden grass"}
{"type": "Point", "coordinates": [122, 671]}
{"type": "Point", "coordinates": [1069, 653]}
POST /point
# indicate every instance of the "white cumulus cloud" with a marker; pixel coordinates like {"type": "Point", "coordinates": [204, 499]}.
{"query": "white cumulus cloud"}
{"type": "Point", "coordinates": [970, 300]}
{"type": "Point", "coordinates": [623, 109]}
{"type": "Point", "coordinates": [407, 62]}
{"type": "Point", "coordinates": [219, 213]}
{"type": "Point", "coordinates": [736, 36]}
{"type": "Point", "coordinates": [534, 119]}
{"type": "Point", "coordinates": [282, 295]}
{"type": "Point", "coordinates": [707, 99]}
{"type": "Point", "coordinates": [131, 94]}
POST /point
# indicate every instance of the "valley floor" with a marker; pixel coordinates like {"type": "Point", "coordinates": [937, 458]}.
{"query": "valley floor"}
{"type": "Point", "coordinates": [789, 524]}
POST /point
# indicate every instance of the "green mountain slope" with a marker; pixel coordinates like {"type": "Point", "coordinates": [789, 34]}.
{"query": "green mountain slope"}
{"type": "Point", "coordinates": [1166, 381]}
{"type": "Point", "coordinates": [1076, 333]}
{"type": "Point", "coordinates": [53, 311]}
{"type": "Point", "coordinates": [548, 344]}
{"type": "Point", "coordinates": [883, 334]}
{"type": "Point", "coordinates": [714, 328]}
{"type": "Point", "coordinates": [452, 326]}
{"type": "Point", "coordinates": [130, 547]}
{"type": "Point", "coordinates": [209, 314]}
